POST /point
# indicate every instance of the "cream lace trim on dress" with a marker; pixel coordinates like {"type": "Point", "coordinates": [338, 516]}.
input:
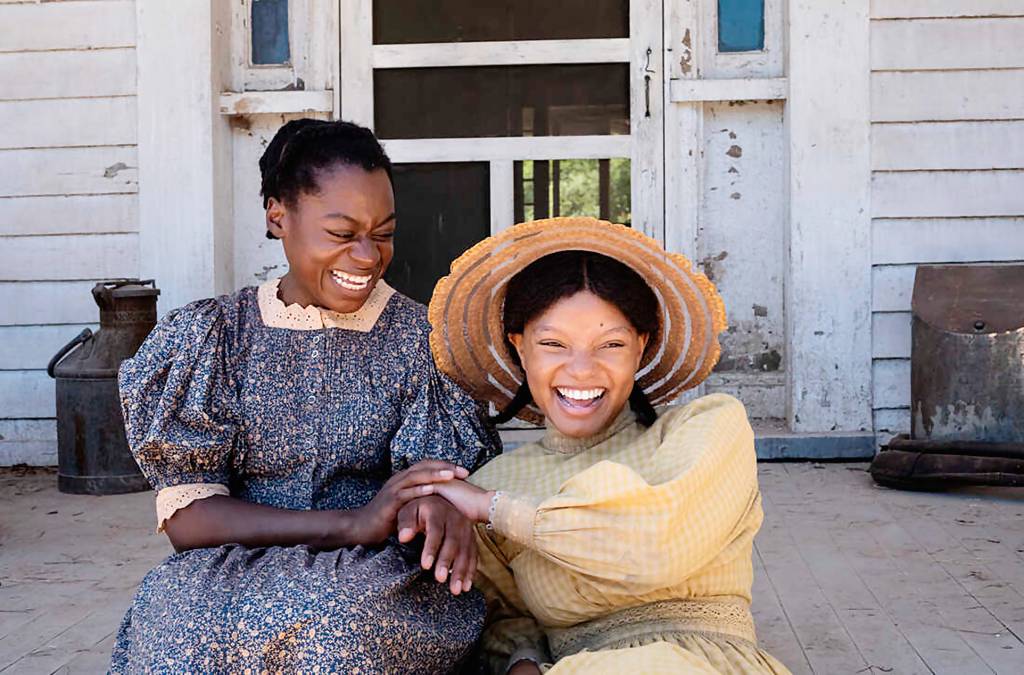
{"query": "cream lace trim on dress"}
{"type": "Point", "coordinates": [276, 314]}
{"type": "Point", "coordinates": [170, 499]}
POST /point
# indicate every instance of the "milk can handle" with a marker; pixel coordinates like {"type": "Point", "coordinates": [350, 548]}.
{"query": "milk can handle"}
{"type": "Point", "coordinates": [79, 339]}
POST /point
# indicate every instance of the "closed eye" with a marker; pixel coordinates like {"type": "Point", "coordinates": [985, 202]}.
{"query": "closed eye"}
{"type": "Point", "coordinates": [344, 236]}
{"type": "Point", "coordinates": [551, 343]}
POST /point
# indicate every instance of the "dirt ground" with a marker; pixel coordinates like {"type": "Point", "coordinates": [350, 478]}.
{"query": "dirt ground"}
{"type": "Point", "coordinates": [850, 577]}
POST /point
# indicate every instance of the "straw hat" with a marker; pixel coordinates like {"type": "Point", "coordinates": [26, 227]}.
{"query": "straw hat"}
{"type": "Point", "coordinates": [466, 309]}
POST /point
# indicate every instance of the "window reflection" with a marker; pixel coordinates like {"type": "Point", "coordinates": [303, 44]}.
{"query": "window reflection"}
{"type": "Point", "coordinates": [270, 32]}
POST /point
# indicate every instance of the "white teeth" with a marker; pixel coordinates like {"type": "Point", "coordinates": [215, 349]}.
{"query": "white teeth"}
{"type": "Point", "coordinates": [580, 394]}
{"type": "Point", "coordinates": [352, 282]}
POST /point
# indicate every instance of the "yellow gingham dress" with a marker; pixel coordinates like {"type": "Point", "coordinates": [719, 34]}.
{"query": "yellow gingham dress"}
{"type": "Point", "coordinates": [629, 551]}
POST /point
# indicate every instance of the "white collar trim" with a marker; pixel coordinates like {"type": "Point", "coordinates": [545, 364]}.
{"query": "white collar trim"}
{"type": "Point", "coordinates": [276, 314]}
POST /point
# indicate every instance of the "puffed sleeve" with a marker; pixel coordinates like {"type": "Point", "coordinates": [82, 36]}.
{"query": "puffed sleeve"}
{"type": "Point", "coordinates": [440, 421]}
{"type": "Point", "coordinates": [179, 402]}
{"type": "Point", "coordinates": [656, 523]}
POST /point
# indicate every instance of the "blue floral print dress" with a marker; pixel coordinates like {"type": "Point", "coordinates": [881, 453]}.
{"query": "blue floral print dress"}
{"type": "Point", "coordinates": [298, 409]}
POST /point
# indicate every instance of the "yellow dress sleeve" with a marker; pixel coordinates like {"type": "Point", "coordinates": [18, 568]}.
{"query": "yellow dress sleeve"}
{"type": "Point", "coordinates": [511, 633]}
{"type": "Point", "coordinates": [682, 500]}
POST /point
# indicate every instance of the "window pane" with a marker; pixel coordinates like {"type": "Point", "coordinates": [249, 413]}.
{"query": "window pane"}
{"type": "Point", "coordinates": [412, 21]}
{"type": "Point", "coordinates": [740, 25]}
{"type": "Point", "coordinates": [270, 32]}
{"type": "Point", "coordinates": [549, 100]}
{"type": "Point", "coordinates": [442, 209]}
{"type": "Point", "coordinates": [572, 187]}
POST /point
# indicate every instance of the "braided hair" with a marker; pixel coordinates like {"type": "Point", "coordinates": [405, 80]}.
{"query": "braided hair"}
{"type": "Point", "coordinates": [303, 148]}
{"type": "Point", "coordinates": [560, 275]}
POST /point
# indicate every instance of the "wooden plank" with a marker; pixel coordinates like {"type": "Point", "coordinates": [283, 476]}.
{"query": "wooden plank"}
{"type": "Point", "coordinates": [498, 53]}
{"type": "Point", "coordinates": [775, 633]}
{"type": "Point", "coordinates": [962, 586]}
{"type": "Point", "coordinates": [859, 609]}
{"type": "Point", "coordinates": [276, 102]}
{"type": "Point", "coordinates": [890, 383]}
{"type": "Point", "coordinates": [828, 279]}
{"type": "Point", "coordinates": [907, 9]}
{"type": "Point", "coordinates": [890, 335]}
{"type": "Point", "coordinates": [939, 44]}
{"type": "Point", "coordinates": [737, 89]}
{"type": "Point", "coordinates": [26, 394]}
{"type": "Point", "coordinates": [356, 67]}
{"type": "Point", "coordinates": [77, 122]}
{"type": "Point", "coordinates": [69, 25]}
{"type": "Point", "coordinates": [67, 171]}
{"type": "Point", "coordinates": [31, 347]}
{"type": "Point", "coordinates": [501, 194]}
{"type": "Point", "coordinates": [892, 287]}
{"type": "Point", "coordinates": [47, 302]}
{"type": "Point", "coordinates": [28, 442]}
{"type": "Point", "coordinates": [926, 96]}
{"type": "Point", "coordinates": [72, 256]}
{"type": "Point", "coordinates": [947, 240]}
{"type": "Point", "coordinates": [78, 214]}
{"type": "Point", "coordinates": [509, 148]}
{"type": "Point", "coordinates": [99, 72]}
{"type": "Point", "coordinates": [646, 118]}
{"type": "Point", "coordinates": [898, 577]}
{"type": "Point", "coordinates": [826, 645]}
{"type": "Point", "coordinates": [903, 146]}
{"type": "Point", "coordinates": [945, 194]}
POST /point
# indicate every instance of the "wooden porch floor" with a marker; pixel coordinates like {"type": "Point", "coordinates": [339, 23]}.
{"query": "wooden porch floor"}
{"type": "Point", "coordinates": [851, 578]}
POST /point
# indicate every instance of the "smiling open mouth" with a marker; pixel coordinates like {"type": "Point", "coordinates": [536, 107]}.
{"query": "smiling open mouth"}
{"type": "Point", "coordinates": [351, 282]}
{"type": "Point", "coordinates": [579, 398]}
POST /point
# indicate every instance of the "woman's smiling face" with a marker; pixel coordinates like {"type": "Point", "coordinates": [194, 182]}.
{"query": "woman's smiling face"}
{"type": "Point", "coordinates": [338, 240]}
{"type": "Point", "coordinates": [580, 357]}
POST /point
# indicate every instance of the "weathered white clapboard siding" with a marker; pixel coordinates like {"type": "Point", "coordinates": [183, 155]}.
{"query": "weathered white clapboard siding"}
{"type": "Point", "coordinates": [28, 442]}
{"type": "Point", "coordinates": [948, 161]}
{"type": "Point", "coordinates": [73, 256]}
{"type": "Point", "coordinates": [67, 74]}
{"type": "Point", "coordinates": [937, 9]}
{"type": "Point", "coordinates": [46, 302]}
{"type": "Point", "coordinates": [68, 122]}
{"type": "Point", "coordinates": [101, 24]}
{"type": "Point", "coordinates": [69, 214]}
{"type": "Point", "coordinates": [32, 347]}
{"type": "Point", "coordinates": [26, 394]}
{"type": "Point", "coordinates": [67, 171]}
{"type": "Point", "coordinates": [68, 193]}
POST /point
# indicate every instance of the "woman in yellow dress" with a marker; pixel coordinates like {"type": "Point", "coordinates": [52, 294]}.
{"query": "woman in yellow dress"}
{"type": "Point", "coordinates": [622, 541]}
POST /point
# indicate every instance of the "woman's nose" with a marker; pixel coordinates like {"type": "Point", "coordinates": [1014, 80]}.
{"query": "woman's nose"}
{"type": "Point", "coordinates": [364, 253]}
{"type": "Point", "coordinates": [580, 364]}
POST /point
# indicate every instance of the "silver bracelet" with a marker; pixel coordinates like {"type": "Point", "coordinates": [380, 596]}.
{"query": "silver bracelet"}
{"type": "Point", "coordinates": [492, 508]}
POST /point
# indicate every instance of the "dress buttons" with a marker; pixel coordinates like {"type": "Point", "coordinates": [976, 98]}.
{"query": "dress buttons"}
{"type": "Point", "coordinates": [316, 339]}
{"type": "Point", "coordinates": [314, 354]}
{"type": "Point", "coordinates": [311, 399]}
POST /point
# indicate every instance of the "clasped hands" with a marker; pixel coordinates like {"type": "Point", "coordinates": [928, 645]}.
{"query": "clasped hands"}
{"type": "Point", "coordinates": [431, 497]}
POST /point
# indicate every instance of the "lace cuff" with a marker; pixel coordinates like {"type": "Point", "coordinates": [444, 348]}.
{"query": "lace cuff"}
{"type": "Point", "coordinates": [170, 499]}
{"type": "Point", "coordinates": [513, 517]}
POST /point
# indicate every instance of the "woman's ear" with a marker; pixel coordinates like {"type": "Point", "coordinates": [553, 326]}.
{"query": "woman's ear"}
{"type": "Point", "coordinates": [517, 341]}
{"type": "Point", "coordinates": [643, 338]}
{"type": "Point", "coordinates": [275, 217]}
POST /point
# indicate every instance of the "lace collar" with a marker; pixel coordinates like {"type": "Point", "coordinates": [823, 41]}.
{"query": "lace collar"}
{"type": "Point", "coordinates": [556, 441]}
{"type": "Point", "coordinates": [276, 314]}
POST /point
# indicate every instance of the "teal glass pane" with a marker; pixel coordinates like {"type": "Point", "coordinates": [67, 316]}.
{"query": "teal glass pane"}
{"type": "Point", "coordinates": [270, 32]}
{"type": "Point", "coordinates": [740, 25]}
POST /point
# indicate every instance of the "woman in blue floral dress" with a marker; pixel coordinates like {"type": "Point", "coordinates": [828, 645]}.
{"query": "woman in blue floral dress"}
{"type": "Point", "coordinates": [291, 431]}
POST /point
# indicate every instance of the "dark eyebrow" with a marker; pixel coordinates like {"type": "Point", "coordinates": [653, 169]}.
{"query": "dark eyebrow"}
{"type": "Point", "coordinates": [344, 216]}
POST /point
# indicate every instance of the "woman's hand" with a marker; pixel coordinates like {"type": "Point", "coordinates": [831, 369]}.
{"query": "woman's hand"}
{"type": "Point", "coordinates": [449, 540]}
{"type": "Point", "coordinates": [376, 520]}
{"type": "Point", "coordinates": [471, 501]}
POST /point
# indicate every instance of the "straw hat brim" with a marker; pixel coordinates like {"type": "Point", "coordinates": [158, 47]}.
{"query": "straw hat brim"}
{"type": "Point", "coordinates": [465, 311]}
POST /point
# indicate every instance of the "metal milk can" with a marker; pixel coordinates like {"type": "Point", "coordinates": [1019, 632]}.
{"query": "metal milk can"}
{"type": "Point", "coordinates": [92, 450]}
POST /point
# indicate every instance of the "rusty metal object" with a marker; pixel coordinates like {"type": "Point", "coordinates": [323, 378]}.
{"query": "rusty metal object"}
{"type": "Point", "coordinates": [966, 382]}
{"type": "Point", "coordinates": [92, 450]}
{"type": "Point", "coordinates": [967, 364]}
